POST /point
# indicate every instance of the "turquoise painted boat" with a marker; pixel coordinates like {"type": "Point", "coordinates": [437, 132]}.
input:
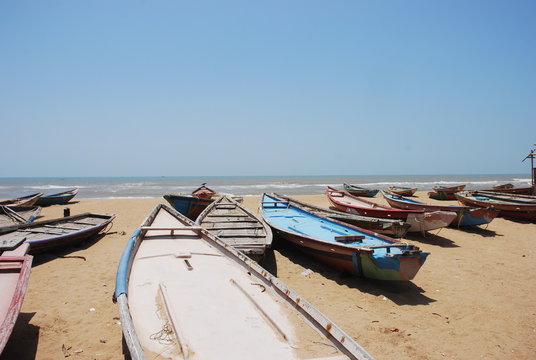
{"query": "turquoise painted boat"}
{"type": "Point", "coordinates": [360, 191]}
{"type": "Point", "coordinates": [343, 246]}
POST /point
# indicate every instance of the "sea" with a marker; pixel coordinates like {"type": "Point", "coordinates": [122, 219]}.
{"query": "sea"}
{"type": "Point", "coordinates": [153, 187]}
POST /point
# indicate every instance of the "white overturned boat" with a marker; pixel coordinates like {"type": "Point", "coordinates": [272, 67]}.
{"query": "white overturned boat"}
{"type": "Point", "coordinates": [185, 294]}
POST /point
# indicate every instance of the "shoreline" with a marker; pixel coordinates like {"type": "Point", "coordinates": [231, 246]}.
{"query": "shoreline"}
{"type": "Point", "coordinates": [472, 298]}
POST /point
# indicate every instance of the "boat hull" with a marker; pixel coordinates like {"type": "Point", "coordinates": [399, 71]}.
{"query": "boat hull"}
{"type": "Point", "coordinates": [188, 205]}
{"type": "Point", "coordinates": [513, 210]}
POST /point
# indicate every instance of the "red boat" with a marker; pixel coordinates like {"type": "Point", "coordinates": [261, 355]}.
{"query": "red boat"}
{"type": "Point", "coordinates": [203, 192]}
{"type": "Point", "coordinates": [419, 220]}
{"type": "Point", "coordinates": [15, 267]}
{"type": "Point", "coordinates": [521, 207]}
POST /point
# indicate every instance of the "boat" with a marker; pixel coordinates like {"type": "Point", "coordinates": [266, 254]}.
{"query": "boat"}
{"type": "Point", "coordinates": [346, 247]}
{"type": "Point", "coordinates": [61, 198]}
{"type": "Point", "coordinates": [404, 191]}
{"type": "Point", "coordinates": [419, 220]}
{"type": "Point", "coordinates": [360, 191]}
{"type": "Point", "coordinates": [15, 267]}
{"type": "Point", "coordinates": [13, 215]}
{"type": "Point", "coordinates": [510, 189]}
{"type": "Point", "coordinates": [188, 205]}
{"type": "Point", "coordinates": [203, 192]}
{"type": "Point", "coordinates": [27, 200]}
{"type": "Point", "coordinates": [445, 192]}
{"type": "Point", "coordinates": [465, 215]}
{"type": "Point", "coordinates": [48, 235]}
{"type": "Point", "coordinates": [391, 227]}
{"type": "Point", "coordinates": [193, 204]}
{"type": "Point", "coordinates": [182, 293]}
{"type": "Point", "coordinates": [237, 226]}
{"type": "Point", "coordinates": [521, 207]}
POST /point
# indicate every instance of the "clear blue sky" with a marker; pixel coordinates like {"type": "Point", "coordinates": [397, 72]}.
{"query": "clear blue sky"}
{"type": "Point", "coordinates": [178, 88]}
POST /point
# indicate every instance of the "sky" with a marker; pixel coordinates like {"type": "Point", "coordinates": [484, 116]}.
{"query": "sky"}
{"type": "Point", "coordinates": [255, 88]}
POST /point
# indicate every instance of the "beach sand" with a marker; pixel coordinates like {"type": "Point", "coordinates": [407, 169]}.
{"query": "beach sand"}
{"type": "Point", "coordinates": [474, 298]}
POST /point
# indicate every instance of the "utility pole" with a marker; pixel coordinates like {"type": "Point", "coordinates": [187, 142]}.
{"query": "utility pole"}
{"type": "Point", "coordinates": [531, 156]}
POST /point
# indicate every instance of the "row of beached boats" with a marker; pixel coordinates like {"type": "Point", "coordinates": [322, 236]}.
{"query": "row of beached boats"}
{"type": "Point", "coordinates": [198, 261]}
{"type": "Point", "coordinates": [21, 238]}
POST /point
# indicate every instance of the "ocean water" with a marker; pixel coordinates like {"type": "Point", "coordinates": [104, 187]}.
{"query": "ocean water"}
{"type": "Point", "coordinates": [137, 187]}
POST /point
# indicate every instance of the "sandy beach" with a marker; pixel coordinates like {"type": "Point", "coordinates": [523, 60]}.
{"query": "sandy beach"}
{"type": "Point", "coordinates": [472, 299]}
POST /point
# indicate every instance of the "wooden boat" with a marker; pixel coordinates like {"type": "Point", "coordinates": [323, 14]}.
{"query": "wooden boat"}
{"type": "Point", "coordinates": [27, 200]}
{"type": "Point", "coordinates": [51, 234]}
{"type": "Point", "coordinates": [237, 226]}
{"type": "Point", "coordinates": [15, 266]}
{"type": "Point", "coordinates": [343, 246]}
{"type": "Point", "coordinates": [14, 215]}
{"type": "Point", "coordinates": [521, 207]}
{"type": "Point", "coordinates": [188, 205]}
{"type": "Point", "coordinates": [360, 191]}
{"type": "Point", "coordinates": [510, 189]}
{"type": "Point", "coordinates": [404, 191]}
{"type": "Point", "coordinates": [419, 220]}
{"type": "Point", "coordinates": [466, 216]}
{"type": "Point", "coordinates": [203, 192]}
{"type": "Point", "coordinates": [57, 199]}
{"type": "Point", "coordinates": [193, 204]}
{"type": "Point", "coordinates": [454, 188]}
{"type": "Point", "coordinates": [183, 293]}
{"type": "Point", "coordinates": [391, 227]}
{"type": "Point", "coordinates": [441, 195]}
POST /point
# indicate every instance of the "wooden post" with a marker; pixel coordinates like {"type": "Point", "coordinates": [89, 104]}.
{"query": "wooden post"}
{"type": "Point", "coordinates": [66, 212]}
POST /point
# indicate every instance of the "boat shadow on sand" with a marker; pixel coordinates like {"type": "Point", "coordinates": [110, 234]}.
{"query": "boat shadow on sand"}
{"type": "Point", "coordinates": [22, 343]}
{"type": "Point", "coordinates": [44, 257]}
{"type": "Point", "coordinates": [430, 239]}
{"type": "Point", "coordinates": [400, 292]}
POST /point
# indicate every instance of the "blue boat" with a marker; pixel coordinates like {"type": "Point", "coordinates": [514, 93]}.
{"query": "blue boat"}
{"type": "Point", "coordinates": [343, 246]}
{"type": "Point", "coordinates": [465, 215]}
{"type": "Point", "coordinates": [61, 198]}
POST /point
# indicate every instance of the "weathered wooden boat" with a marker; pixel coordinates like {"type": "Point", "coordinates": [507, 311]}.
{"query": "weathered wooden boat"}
{"type": "Point", "coordinates": [237, 226]}
{"type": "Point", "coordinates": [465, 215]}
{"type": "Point", "coordinates": [51, 234]}
{"type": "Point", "coordinates": [521, 207]}
{"type": "Point", "coordinates": [27, 200]}
{"type": "Point", "coordinates": [14, 215]}
{"type": "Point", "coordinates": [343, 246]}
{"type": "Point", "coordinates": [188, 205]}
{"type": "Point", "coordinates": [203, 192]}
{"type": "Point", "coordinates": [183, 293]}
{"type": "Point", "coordinates": [404, 191]}
{"type": "Point", "coordinates": [454, 188]}
{"type": "Point", "coordinates": [60, 198]}
{"type": "Point", "coordinates": [391, 227]}
{"type": "Point", "coordinates": [510, 189]}
{"type": "Point", "coordinates": [360, 191]}
{"type": "Point", "coordinates": [419, 220]}
{"type": "Point", "coordinates": [15, 266]}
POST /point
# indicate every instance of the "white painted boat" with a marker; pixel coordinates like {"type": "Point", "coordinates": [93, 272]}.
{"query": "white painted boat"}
{"type": "Point", "coordinates": [185, 294]}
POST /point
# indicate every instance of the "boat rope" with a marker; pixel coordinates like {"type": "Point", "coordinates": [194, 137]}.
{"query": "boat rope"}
{"type": "Point", "coordinates": [164, 336]}
{"type": "Point", "coordinates": [106, 230]}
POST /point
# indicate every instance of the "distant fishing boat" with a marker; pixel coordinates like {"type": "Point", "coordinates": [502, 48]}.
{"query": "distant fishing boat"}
{"type": "Point", "coordinates": [510, 189]}
{"type": "Point", "coordinates": [60, 198]}
{"type": "Point", "coordinates": [466, 216]}
{"type": "Point", "coordinates": [360, 191]}
{"type": "Point", "coordinates": [445, 192]}
{"type": "Point", "coordinates": [18, 215]}
{"type": "Point", "coordinates": [521, 207]}
{"type": "Point", "coordinates": [183, 293]}
{"type": "Point", "coordinates": [391, 227]}
{"type": "Point", "coordinates": [28, 200]}
{"type": "Point", "coordinates": [237, 226]}
{"type": "Point", "coordinates": [419, 220]}
{"type": "Point", "coordinates": [191, 205]}
{"type": "Point", "coordinates": [343, 246]}
{"type": "Point", "coordinates": [404, 191]}
{"type": "Point", "coordinates": [15, 267]}
{"type": "Point", "coordinates": [50, 234]}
